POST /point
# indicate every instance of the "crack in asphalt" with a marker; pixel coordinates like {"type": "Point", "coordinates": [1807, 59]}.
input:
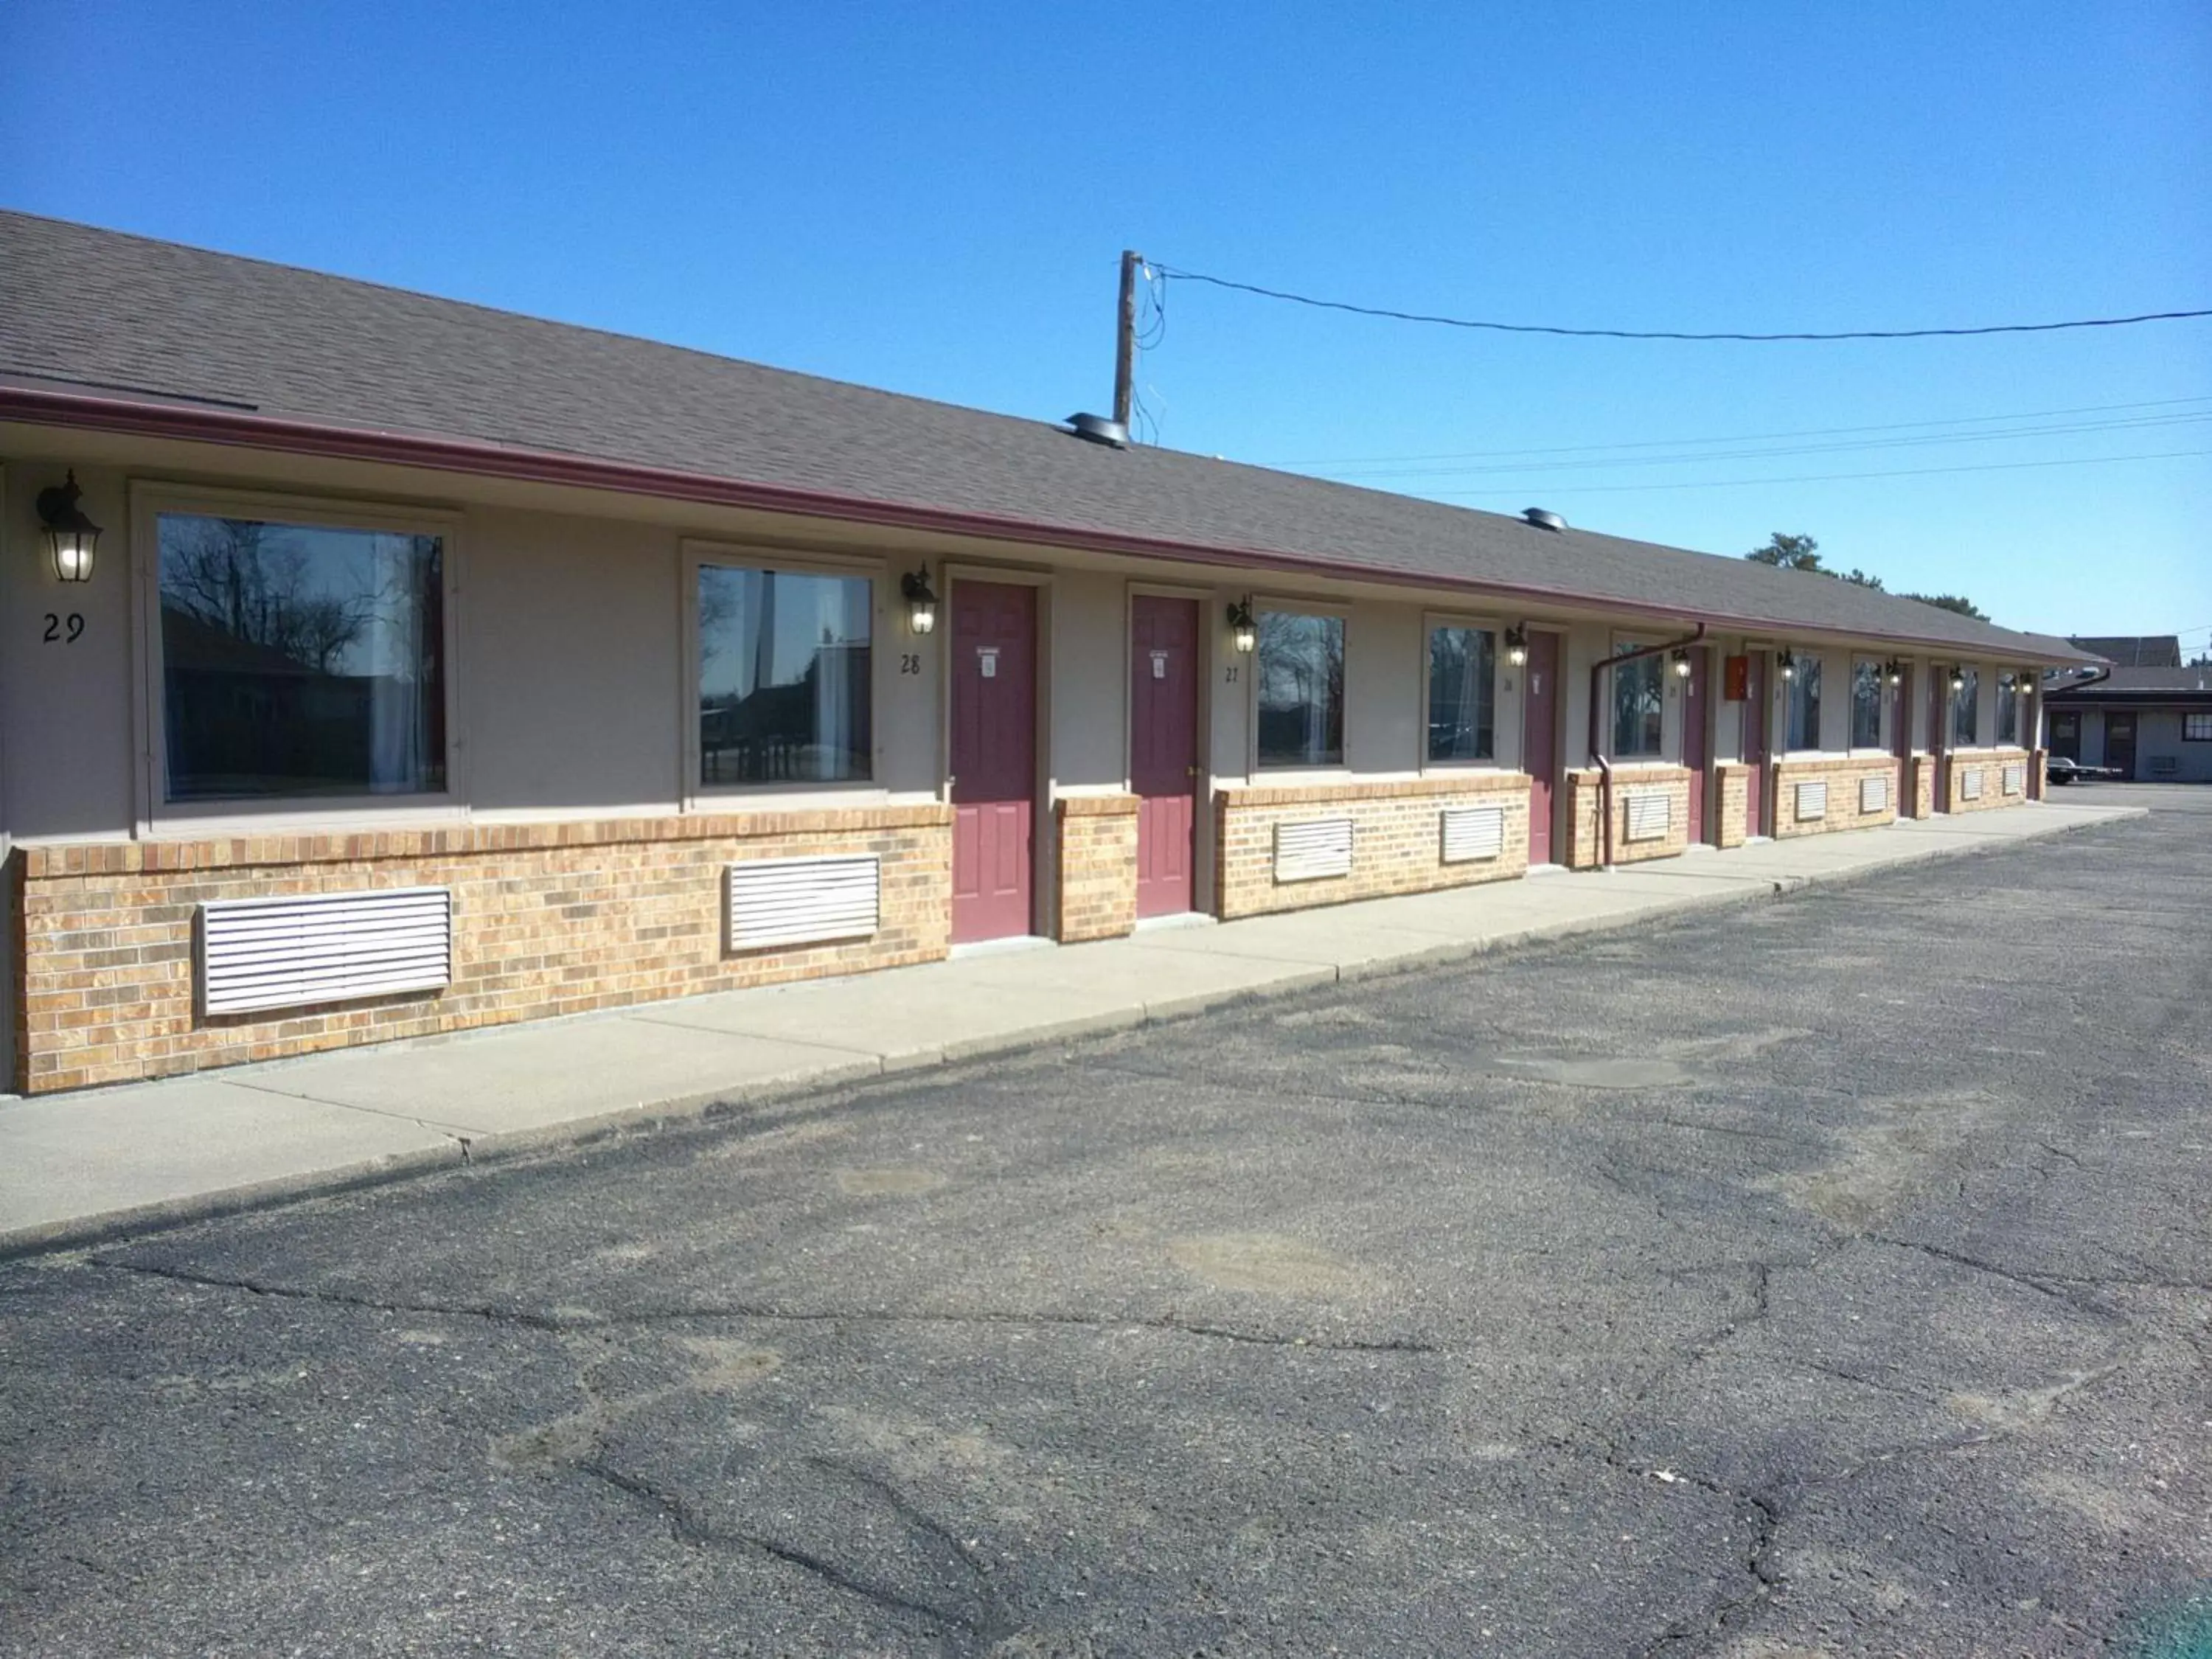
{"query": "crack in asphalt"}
{"type": "Point", "coordinates": [560, 1323]}
{"type": "Point", "coordinates": [685, 1527]}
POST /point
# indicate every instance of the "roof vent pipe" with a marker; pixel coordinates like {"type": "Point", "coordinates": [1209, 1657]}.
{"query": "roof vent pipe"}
{"type": "Point", "coordinates": [1543, 519]}
{"type": "Point", "coordinates": [1100, 430]}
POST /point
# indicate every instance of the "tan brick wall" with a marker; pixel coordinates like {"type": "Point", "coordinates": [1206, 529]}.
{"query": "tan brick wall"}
{"type": "Point", "coordinates": [1585, 850]}
{"type": "Point", "coordinates": [1992, 763]}
{"type": "Point", "coordinates": [1733, 797]}
{"type": "Point", "coordinates": [1397, 843]}
{"type": "Point", "coordinates": [1921, 771]}
{"type": "Point", "coordinates": [1098, 866]}
{"type": "Point", "coordinates": [1843, 778]}
{"type": "Point", "coordinates": [548, 919]}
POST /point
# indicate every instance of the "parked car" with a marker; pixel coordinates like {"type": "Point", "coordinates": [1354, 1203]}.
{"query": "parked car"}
{"type": "Point", "coordinates": [2060, 769]}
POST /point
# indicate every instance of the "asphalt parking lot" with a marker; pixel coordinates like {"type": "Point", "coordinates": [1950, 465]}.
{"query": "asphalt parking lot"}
{"type": "Point", "coordinates": [1831, 1276]}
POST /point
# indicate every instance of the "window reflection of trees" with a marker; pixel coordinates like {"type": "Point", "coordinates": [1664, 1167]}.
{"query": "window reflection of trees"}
{"type": "Point", "coordinates": [1301, 690]}
{"type": "Point", "coordinates": [1638, 705]}
{"type": "Point", "coordinates": [1461, 674]}
{"type": "Point", "coordinates": [300, 660]}
{"type": "Point", "coordinates": [769, 713]}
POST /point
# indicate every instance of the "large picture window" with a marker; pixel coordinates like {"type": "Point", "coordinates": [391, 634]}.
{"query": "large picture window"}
{"type": "Point", "coordinates": [1805, 703]}
{"type": "Point", "coordinates": [300, 660]}
{"type": "Point", "coordinates": [1966, 709]}
{"type": "Point", "coordinates": [1301, 690]}
{"type": "Point", "coordinates": [2009, 710]}
{"type": "Point", "coordinates": [1462, 681]}
{"type": "Point", "coordinates": [1866, 705]}
{"type": "Point", "coordinates": [1639, 702]}
{"type": "Point", "coordinates": [784, 677]}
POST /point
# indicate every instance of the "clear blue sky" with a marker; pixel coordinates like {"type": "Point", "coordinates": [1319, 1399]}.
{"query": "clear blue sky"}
{"type": "Point", "coordinates": [931, 199]}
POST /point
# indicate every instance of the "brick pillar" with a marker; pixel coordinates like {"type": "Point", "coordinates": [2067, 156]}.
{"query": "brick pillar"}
{"type": "Point", "coordinates": [1098, 866]}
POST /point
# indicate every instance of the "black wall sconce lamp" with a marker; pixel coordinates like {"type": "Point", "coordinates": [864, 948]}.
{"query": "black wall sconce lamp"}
{"type": "Point", "coordinates": [1242, 630]}
{"type": "Point", "coordinates": [71, 537]}
{"type": "Point", "coordinates": [1517, 647]}
{"type": "Point", "coordinates": [1681, 663]}
{"type": "Point", "coordinates": [1788, 664]}
{"type": "Point", "coordinates": [1957, 680]}
{"type": "Point", "coordinates": [920, 600]}
{"type": "Point", "coordinates": [1893, 672]}
{"type": "Point", "coordinates": [2026, 681]}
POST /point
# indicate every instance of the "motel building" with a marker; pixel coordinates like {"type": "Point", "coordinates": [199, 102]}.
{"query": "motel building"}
{"type": "Point", "coordinates": [377, 665]}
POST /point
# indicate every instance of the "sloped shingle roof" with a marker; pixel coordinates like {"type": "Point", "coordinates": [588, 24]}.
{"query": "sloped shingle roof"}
{"type": "Point", "coordinates": [99, 311]}
{"type": "Point", "coordinates": [2132, 650]}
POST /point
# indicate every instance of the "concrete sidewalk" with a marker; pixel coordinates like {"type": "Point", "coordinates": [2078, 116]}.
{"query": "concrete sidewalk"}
{"type": "Point", "coordinates": [81, 1166]}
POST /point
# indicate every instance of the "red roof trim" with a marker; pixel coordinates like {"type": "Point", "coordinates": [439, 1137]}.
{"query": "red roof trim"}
{"type": "Point", "coordinates": [254, 431]}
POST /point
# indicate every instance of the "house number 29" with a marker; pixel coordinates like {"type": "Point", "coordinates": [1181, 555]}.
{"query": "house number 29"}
{"type": "Point", "coordinates": [63, 630]}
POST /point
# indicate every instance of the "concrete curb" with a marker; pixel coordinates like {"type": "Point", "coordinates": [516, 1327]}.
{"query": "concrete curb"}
{"type": "Point", "coordinates": [676, 1112]}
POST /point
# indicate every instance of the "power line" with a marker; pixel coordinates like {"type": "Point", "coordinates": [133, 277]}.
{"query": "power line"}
{"type": "Point", "coordinates": [1822, 478]}
{"type": "Point", "coordinates": [1666, 334]}
{"type": "Point", "coordinates": [1919, 441]}
{"type": "Point", "coordinates": [1733, 438]}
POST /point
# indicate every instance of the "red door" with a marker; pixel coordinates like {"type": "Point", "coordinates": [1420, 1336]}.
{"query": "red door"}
{"type": "Point", "coordinates": [1754, 744]}
{"type": "Point", "coordinates": [1697, 739]}
{"type": "Point", "coordinates": [994, 757]}
{"type": "Point", "coordinates": [1163, 748]}
{"type": "Point", "coordinates": [1939, 734]}
{"type": "Point", "coordinates": [1908, 795]}
{"type": "Point", "coordinates": [1540, 740]}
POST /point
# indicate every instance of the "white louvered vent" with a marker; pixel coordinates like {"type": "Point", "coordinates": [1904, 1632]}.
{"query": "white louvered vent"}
{"type": "Point", "coordinates": [2016, 779]}
{"type": "Point", "coordinates": [1648, 815]}
{"type": "Point", "coordinates": [324, 947]}
{"type": "Point", "coordinates": [1970, 784]}
{"type": "Point", "coordinates": [1812, 800]}
{"type": "Point", "coordinates": [1874, 794]}
{"type": "Point", "coordinates": [802, 901]}
{"type": "Point", "coordinates": [1472, 832]}
{"type": "Point", "coordinates": [1310, 851]}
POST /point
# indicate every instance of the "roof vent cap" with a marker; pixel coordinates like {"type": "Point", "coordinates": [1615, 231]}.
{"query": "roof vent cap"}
{"type": "Point", "coordinates": [1100, 430]}
{"type": "Point", "coordinates": [1543, 519]}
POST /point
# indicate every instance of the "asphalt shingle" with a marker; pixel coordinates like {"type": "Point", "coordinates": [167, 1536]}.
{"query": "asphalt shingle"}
{"type": "Point", "coordinates": [97, 311]}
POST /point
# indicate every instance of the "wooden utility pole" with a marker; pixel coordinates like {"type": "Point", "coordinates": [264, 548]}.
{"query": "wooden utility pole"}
{"type": "Point", "coordinates": [1125, 339]}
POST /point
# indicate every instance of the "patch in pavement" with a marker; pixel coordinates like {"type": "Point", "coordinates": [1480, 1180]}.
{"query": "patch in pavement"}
{"type": "Point", "coordinates": [1897, 1153]}
{"type": "Point", "coordinates": [1589, 1071]}
{"type": "Point", "coordinates": [895, 1181]}
{"type": "Point", "coordinates": [1270, 1264]}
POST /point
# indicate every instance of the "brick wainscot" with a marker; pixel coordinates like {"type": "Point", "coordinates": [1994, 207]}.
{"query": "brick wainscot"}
{"type": "Point", "coordinates": [1585, 849]}
{"type": "Point", "coordinates": [1397, 838]}
{"type": "Point", "coordinates": [1991, 764]}
{"type": "Point", "coordinates": [1843, 807]}
{"type": "Point", "coordinates": [547, 918]}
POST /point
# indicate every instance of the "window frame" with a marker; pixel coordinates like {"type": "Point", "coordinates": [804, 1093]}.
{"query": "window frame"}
{"type": "Point", "coordinates": [2009, 710]}
{"type": "Point", "coordinates": [1882, 701]}
{"type": "Point", "coordinates": [158, 817]}
{"type": "Point", "coordinates": [697, 796]}
{"type": "Point", "coordinates": [1341, 614]}
{"type": "Point", "coordinates": [1620, 644]}
{"type": "Point", "coordinates": [1431, 621]}
{"type": "Point", "coordinates": [2190, 715]}
{"type": "Point", "coordinates": [1818, 663]}
{"type": "Point", "coordinates": [1971, 691]}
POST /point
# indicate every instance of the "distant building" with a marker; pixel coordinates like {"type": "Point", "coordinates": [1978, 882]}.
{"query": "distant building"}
{"type": "Point", "coordinates": [2154, 723]}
